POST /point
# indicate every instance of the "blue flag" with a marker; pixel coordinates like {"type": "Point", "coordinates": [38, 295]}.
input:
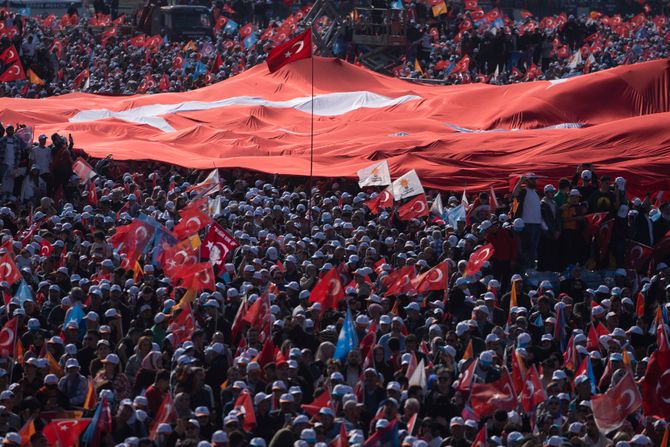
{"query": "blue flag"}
{"type": "Point", "coordinates": [348, 339]}
{"type": "Point", "coordinates": [397, 4]}
{"type": "Point", "coordinates": [90, 432]}
{"type": "Point", "coordinates": [200, 69]}
{"type": "Point", "coordinates": [230, 27]}
{"type": "Point", "coordinates": [452, 215]}
{"type": "Point", "coordinates": [250, 41]}
{"type": "Point", "coordinates": [591, 376]}
{"type": "Point", "coordinates": [539, 322]}
{"type": "Point", "coordinates": [24, 293]}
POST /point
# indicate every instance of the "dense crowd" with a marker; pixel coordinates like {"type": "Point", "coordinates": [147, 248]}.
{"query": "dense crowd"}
{"type": "Point", "coordinates": [451, 42]}
{"type": "Point", "coordinates": [146, 305]}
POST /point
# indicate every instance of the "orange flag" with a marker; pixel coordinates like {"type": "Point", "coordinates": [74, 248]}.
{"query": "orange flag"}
{"type": "Point", "coordinates": [468, 354]}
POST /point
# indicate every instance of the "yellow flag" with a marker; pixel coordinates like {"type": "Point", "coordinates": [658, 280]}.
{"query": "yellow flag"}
{"type": "Point", "coordinates": [468, 354]}
{"type": "Point", "coordinates": [34, 79]}
{"type": "Point", "coordinates": [440, 8]}
{"type": "Point", "coordinates": [417, 66]}
{"type": "Point", "coordinates": [512, 297]}
{"type": "Point", "coordinates": [626, 359]}
{"type": "Point", "coordinates": [190, 46]}
{"type": "Point", "coordinates": [54, 367]}
{"type": "Point", "coordinates": [27, 431]}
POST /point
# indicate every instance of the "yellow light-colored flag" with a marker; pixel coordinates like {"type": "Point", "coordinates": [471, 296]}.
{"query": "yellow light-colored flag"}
{"type": "Point", "coordinates": [439, 9]}
{"type": "Point", "coordinates": [469, 353]}
{"type": "Point", "coordinates": [190, 46]}
{"type": "Point", "coordinates": [91, 398]}
{"type": "Point", "coordinates": [34, 79]}
{"type": "Point", "coordinates": [54, 367]}
{"type": "Point", "coordinates": [417, 66]}
{"type": "Point", "coordinates": [27, 431]}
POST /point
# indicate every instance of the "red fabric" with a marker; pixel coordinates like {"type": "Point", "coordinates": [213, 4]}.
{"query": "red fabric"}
{"type": "Point", "coordinates": [477, 259]}
{"type": "Point", "coordinates": [504, 244]}
{"type": "Point", "coordinates": [415, 208]}
{"type": "Point", "coordinates": [328, 291]}
{"type": "Point", "coordinates": [192, 221]}
{"type": "Point", "coordinates": [486, 398]}
{"type": "Point", "coordinates": [624, 112]}
{"type": "Point", "coordinates": [245, 404]}
{"type": "Point", "coordinates": [655, 386]}
{"type": "Point", "coordinates": [300, 47]}
{"type": "Point", "coordinates": [65, 432]}
{"type": "Point", "coordinates": [611, 408]}
{"type": "Point", "coordinates": [433, 279]}
{"type": "Point", "coordinates": [319, 402]}
{"type": "Point", "coordinates": [167, 414]}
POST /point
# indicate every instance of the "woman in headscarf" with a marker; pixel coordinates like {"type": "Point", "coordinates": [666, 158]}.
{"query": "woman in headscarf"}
{"type": "Point", "coordinates": [151, 363]}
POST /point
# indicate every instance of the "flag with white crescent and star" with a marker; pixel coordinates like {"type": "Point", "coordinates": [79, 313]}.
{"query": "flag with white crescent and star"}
{"type": "Point", "coordinates": [300, 47]}
{"type": "Point", "coordinates": [611, 408]}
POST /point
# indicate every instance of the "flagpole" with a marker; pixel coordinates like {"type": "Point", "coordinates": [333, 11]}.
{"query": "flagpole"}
{"type": "Point", "coordinates": [311, 137]}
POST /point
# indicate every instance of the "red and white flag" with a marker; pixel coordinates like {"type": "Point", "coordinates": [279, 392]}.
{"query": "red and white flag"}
{"type": "Point", "coordinates": [183, 326]}
{"type": "Point", "coordinates": [477, 259]}
{"type": "Point", "coordinates": [415, 208]}
{"type": "Point", "coordinates": [383, 200]}
{"type": "Point", "coordinates": [533, 392]}
{"type": "Point", "coordinates": [217, 244]}
{"type": "Point", "coordinates": [192, 221]}
{"type": "Point", "coordinates": [486, 398]}
{"type": "Point", "coordinates": [83, 170]}
{"type": "Point", "coordinates": [8, 337]}
{"type": "Point", "coordinates": [328, 291]}
{"type": "Point", "coordinates": [8, 270]}
{"type": "Point", "coordinates": [300, 47]}
{"type": "Point", "coordinates": [611, 408]}
{"type": "Point", "coordinates": [399, 281]}
{"type": "Point", "coordinates": [433, 279]}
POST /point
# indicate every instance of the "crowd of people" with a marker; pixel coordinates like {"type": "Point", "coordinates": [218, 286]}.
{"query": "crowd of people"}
{"type": "Point", "coordinates": [456, 43]}
{"type": "Point", "coordinates": [147, 305]}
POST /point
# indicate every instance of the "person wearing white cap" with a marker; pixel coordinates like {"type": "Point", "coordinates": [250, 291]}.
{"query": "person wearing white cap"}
{"type": "Point", "coordinates": [73, 384]}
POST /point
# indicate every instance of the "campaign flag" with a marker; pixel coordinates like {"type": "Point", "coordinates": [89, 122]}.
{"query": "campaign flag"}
{"type": "Point", "coordinates": [300, 47]}
{"type": "Point", "coordinates": [477, 259]}
{"type": "Point", "coordinates": [347, 340]}
{"type": "Point", "coordinates": [418, 376]}
{"type": "Point", "coordinates": [611, 408]}
{"type": "Point", "coordinates": [376, 175]}
{"type": "Point", "coordinates": [217, 244]}
{"type": "Point", "coordinates": [230, 26]}
{"type": "Point", "coordinates": [328, 291]}
{"type": "Point", "coordinates": [83, 170]}
{"type": "Point", "coordinates": [250, 41]}
{"type": "Point", "coordinates": [454, 214]}
{"type": "Point", "coordinates": [407, 185]}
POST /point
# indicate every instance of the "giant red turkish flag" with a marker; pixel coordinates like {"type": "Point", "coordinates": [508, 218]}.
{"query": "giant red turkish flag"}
{"type": "Point", "coordinates": [417, 207]}
{"type": "Point", "coordinates": [477, 259]}
{"type": "Point", "coordinates": [300, 47]}
{"type": "Point", "coordinates": [328, 291]}
{"type": "Point", "coordinates": [486, 398]}
{"type": "Point", "coordinates": [614, 118]}
{"type": "Point", "coordinates": [655, 385]}
{"type": "Point", "coordinates": [433, 279]}
{"type": "Point", "coordinates": [611, 408]}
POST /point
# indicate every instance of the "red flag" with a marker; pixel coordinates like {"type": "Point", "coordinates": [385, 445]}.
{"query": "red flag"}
{"type": "Point", "coordinates": [8, 270]}
{"type": "Point", "coordinates": [319, 402]}
{"type": "Point", "coordinates": [196, 276]}
{"type": "Point", "coordinates": [518, 372]}
{"type": "Point", "coordinates": [167, 414]}
{"type": "Point", "coordinates": [13, 73]}
{"type": "Point", "coordinates": [415, 208]}
{"type": "Point", "coordinates": [80, 78]}
{"type": "Point", "coordinates": [399, 281]}
{"type": "Point", "coordinates": [533, 392]}
{"type": "Point", "coordinates": [46, 248]}
{"type": "Point", "coordinates": [8, 338]}
{"type": "Point", "coordinates": [525, 14]}
{"type": "Point", "coordinates": [259, 314]}
{"type": "Point", "coordinates": [182, 254]}
{"type": "Point", "coordinates": [486, 398]}
{"type": "Point", "coordinates": [593, 223]}
{"type": "Point", "coordinates": [637, 255]}
{"type": "Point", "coordinates": [478, 258]}
{"type": "Point", "coordinates": [216, 65]}
{"type": "Point", "coordinates": [192, 221]}
{"type": "Point", "coordinates": [655, 385]}
{"type": "Point", "coordinates": [65, 432]}
{"type": "Point", "coordinates": [480, 439]}
{"type": "Point", "coordinates": [92, 194]}
{"type": "Point", "coordinates": [300, 47]}
{"type": "Point", "coordinates": [137, 41]}
{"type": "Point", "coordinates": [611, 408]}
{"type": "Point", "coordinates": [245, 404]}
{"type": "Point", "coordinates": [217, 244]}
{"type": "Point", "coordinates": [341, 440]}
{"type": "Point", "coordinates": [164, 84]}
{"type": "Point", "coordinates": [433, 279]}
{"type": "Point", "coordinates": [9, 56]}
{"type": "Point", "coordinates": [267, 354]}
{"type": "Point", "coordinates": [83, 170]}
{"type": "Point", "coordinates": [639, 305]}
{"type": "Point", "coordinates": [328, 291]}
{"type": "Point", "coordinates": [661, 336]}
{"type": "Point", "coordinates": [466, 377]}
{"type": "Point", "coordinates": [383, 200]}
{"type": "Point", "coordinates": [470, 4]}
{"type": "Point", "coordinates": [182, 326]}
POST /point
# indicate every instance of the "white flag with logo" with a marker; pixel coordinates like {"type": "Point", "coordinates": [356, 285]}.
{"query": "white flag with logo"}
{"type": "Point", "coordinates": [376, 175]}
{"type": "Point", "coordinates": [408, 185]}
{"type": "Point", "coordinates": [437, 207]}
{"type": "Point", "coordinates": [83, 170]}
